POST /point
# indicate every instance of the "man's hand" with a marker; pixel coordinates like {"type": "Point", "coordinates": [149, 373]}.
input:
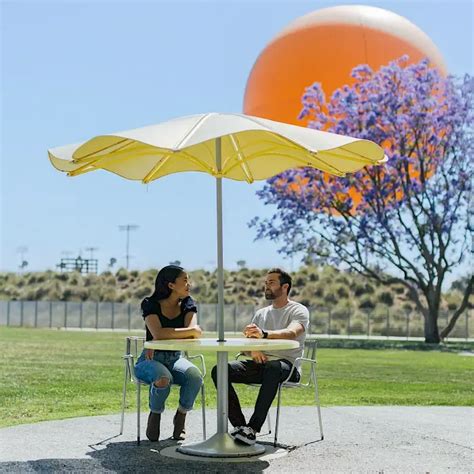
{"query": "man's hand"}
{"type": "Point", "coordinates": [252, 330]}
{"type": "Point", "coordinates": [258, 357]}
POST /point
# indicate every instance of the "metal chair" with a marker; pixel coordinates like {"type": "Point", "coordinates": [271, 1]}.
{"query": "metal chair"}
{"type": "Point", "coordinates": [133, 348]}
{"type": "Point", "coordinates": [305, 382]}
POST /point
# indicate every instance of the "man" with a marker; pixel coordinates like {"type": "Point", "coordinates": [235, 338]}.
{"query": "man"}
{"type": "Point", "coordinates": [283, 319]}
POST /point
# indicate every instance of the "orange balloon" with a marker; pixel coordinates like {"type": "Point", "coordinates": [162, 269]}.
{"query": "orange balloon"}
{"type": "Point", "coordinates": [324, 46]}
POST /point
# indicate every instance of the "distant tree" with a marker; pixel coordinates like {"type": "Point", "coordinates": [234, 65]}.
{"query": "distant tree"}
{"type": "Point", "coordinates": [241, 264]}
{"type": "Point", "coordinates": [411, 216]}
{"type": "Point", "coordinates": [460, 284]}
{"type": "Point", "coordinates": [176, 262]}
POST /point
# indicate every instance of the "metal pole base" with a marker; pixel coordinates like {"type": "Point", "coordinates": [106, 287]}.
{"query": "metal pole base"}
{"type": "Point", "coordinates": [221, 445]}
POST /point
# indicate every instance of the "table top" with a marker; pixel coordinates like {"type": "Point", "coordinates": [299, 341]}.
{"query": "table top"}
{"type": "Point", "coordinates": [230, 345]}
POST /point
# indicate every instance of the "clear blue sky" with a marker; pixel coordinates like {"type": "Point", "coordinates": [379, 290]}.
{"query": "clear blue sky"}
{"type": "Point", "coordinates": [72, 70]}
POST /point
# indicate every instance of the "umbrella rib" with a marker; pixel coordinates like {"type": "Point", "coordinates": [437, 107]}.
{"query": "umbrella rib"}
{"type": "Point", "coordinates": [84, 168]}
{"type": "Point", "coordinates": [313, 155]}
{"type": "Point", "coordinates": [118, 152]}
{"type": "Point", "coordinates": [241, 161]}
{"type": "Point", "coordinates": [192, 129]}
{"type": "Point", "coordinates": [198, 162]}
{"type": "Point", "coordinates": [128, 140]}
{"type": "Point", "coordinates": [358, 155]}
{"type": "Point", "coordinates": [249, 158]}
{"type": "Point", "coordinates": [156, 168]}
{"type": "Point", "coordinates": [335, 171]}
{"type": "Point", "coordinates": [163, 161]}
{"type": "Point", "coordinates": [326, 167]}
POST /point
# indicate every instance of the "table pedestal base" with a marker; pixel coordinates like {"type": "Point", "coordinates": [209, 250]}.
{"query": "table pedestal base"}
{"type": "Point", "coordinates": [221, 445]}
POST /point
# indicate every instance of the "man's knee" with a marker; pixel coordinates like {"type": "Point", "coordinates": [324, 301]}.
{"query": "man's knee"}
{"type": "Point", "coordinates": [214, 373]}
{"type": "Point", "coordinates": [162, 382]}
{"type": "Point", "coordinates": [231, 369]}
{"type": "Point", "coordinates": [272, 369]}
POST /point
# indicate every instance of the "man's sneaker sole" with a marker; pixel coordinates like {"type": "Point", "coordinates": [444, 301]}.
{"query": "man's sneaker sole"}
{"type": "Point", "coordinates": [243, 439]}
{"type": "Point", "coordinates": [235, 430]}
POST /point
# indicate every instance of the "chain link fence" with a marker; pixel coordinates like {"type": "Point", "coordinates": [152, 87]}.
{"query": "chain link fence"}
{"type": "Point", "coordinates": [387, 322]}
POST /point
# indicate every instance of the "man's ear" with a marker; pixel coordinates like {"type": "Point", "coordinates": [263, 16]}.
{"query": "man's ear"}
{"type": "Point", "coordinates": [286, 286]}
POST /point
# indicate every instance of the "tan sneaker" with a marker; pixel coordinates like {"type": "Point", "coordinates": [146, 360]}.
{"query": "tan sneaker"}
{"type": "Point", "coordinates": [153, 426]}
{"type": "Point", "coordinates": [178, 421]}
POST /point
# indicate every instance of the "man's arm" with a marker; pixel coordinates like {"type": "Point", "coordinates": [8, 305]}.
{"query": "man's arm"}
{"type": "Point", "coordinates": [293, 330]}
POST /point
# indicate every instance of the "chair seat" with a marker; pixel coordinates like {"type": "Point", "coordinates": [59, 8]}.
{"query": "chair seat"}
{"type": "Point", "coordinates": [133, 345]}
{"type": "Point", "coordinates": [310, 358]}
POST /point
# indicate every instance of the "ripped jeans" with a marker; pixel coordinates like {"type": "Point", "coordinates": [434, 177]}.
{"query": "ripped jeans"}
{"type": "Point", "coordinates": [178, 371]}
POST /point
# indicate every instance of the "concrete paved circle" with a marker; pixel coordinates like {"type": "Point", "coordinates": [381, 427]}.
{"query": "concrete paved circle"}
{"type": "Point", "coordinates": [357, 439]}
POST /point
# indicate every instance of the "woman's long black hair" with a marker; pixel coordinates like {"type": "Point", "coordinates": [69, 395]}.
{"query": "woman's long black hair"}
{"type": "Point", "coordinates": [165, 276]}
{"type": "Point", "coordinates": [150, 304]}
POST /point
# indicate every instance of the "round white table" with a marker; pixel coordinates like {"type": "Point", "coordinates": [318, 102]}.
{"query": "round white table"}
{"type": "Point", "coordinates": [221, 444]}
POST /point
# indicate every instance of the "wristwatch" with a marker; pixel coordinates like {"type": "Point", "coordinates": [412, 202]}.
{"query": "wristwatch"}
{"type": "Point", "coordinates": [264, 333]}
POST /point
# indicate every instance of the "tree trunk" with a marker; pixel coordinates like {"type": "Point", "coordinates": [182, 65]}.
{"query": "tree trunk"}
{"type": "Point", "coordinates": [459, 311]}
{"type": "Point", "coordinates": [431, 328]}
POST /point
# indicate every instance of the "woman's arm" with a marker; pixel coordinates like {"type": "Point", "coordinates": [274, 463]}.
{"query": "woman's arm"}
{"type": "Point", "coordinates": [190, 321]}
{"type": "Point", "coordinates": [153, 324]}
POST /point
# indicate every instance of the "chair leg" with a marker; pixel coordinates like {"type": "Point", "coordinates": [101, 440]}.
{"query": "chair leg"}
{"type": "Point", "coordinates": [138, 413]}
{"type": "Point", "coordinates": [269, 422]}
{"type": "Point", "coordinates": [124, 394]}
{"type": "Point", "coordinates": [203, 408]}
{"type": "Point", "coordinates": [318, 404]}
{"type": "Point", "coordinates": [278, 416]}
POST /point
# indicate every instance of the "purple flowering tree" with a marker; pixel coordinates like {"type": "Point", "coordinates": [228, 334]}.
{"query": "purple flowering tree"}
{"type": "Point", "coordinates": [406, 221]}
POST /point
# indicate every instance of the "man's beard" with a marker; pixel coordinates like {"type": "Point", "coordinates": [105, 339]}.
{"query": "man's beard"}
{"type": "Point", "coordinates": [270, 295]}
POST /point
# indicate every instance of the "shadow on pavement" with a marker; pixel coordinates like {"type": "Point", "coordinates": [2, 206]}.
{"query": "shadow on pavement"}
{"type": "Point", "coordinates": [127, 457]}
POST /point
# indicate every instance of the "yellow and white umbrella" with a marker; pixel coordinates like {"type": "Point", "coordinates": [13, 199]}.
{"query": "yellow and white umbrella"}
{"type": "Point", "coordinates": [234, 146]}
{"type": "Point", "coordinates": [251, 148]}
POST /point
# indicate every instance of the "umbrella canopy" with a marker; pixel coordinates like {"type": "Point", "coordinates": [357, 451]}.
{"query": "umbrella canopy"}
{"type": "Point", "coordinates": [251, 148]}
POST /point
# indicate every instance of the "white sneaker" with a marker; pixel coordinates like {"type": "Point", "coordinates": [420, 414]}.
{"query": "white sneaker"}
{"type": "Point", "coordinates": [235, 431]}
{"type": "Point", "coordinates": [246, 435]}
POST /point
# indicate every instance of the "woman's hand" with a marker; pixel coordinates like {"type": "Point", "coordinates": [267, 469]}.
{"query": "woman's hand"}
{"type": "Point", "coordinates": [197, 332]}
{"type": "Point", "coordinates": [149, 354]}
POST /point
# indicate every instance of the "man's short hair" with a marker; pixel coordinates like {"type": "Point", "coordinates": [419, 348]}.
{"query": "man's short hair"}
{"type": "Point", "coordinates": [283, 276]}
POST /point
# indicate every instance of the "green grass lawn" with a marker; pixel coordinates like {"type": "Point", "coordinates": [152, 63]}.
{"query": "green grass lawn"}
{"type": "Point", "coordinates": [50, 374]}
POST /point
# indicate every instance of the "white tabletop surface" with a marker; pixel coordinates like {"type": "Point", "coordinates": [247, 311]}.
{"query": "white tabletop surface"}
{"type": "Point", "coordinates": [230, 345]}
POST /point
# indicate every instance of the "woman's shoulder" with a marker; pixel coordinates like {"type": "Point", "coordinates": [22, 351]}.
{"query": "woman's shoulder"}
{"type": "Point", "coordinates": [150, 306]}
{"type": "Point", "coordinates": [188, 305]}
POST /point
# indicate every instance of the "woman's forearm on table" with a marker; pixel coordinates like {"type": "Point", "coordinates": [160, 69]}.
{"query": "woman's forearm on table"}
{"type": "Point", "coordinates": [175, 333]}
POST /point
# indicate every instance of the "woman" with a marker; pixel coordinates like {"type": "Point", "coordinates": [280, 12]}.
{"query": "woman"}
{"type": "Point", "coordinates": [169, 313]}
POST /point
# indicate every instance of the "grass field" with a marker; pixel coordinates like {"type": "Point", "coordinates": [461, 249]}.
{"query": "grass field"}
{"type": "Point", "coordinates": [51, 374]}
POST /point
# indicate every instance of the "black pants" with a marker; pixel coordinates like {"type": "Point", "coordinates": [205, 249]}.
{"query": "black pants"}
{"type": "Point", "coordinates": [269, 375]}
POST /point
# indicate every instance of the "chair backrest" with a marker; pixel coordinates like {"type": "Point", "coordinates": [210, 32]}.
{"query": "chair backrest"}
{"type": "Point", "coordinates": [307, 369]}
{"type": "Point", "coordinates": [133, 349]}
{"type": "Point", "coordinates": [310, 347]}
{"type": "Point", "coordinates": [134, 345]}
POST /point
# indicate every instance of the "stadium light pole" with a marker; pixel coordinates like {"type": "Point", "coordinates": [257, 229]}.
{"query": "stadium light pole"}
{"type": "Point", "coordinates": [127, 228]}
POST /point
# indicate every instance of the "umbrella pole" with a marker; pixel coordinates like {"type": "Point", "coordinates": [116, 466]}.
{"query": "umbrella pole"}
{"type": "Point", "coordinates": [222, 357]}
{"type": "Point", "coordinates": [220, 445]}
{"type": "Point", "coordinates": [220, 250]}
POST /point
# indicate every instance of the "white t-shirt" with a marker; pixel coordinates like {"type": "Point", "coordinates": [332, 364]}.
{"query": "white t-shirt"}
{"type": "Point", "coordinates": [270, 318]}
